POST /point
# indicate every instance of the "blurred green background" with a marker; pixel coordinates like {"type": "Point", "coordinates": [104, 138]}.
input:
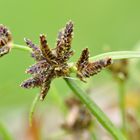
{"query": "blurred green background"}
{"type": "Point", "coordinates": [99, 24]}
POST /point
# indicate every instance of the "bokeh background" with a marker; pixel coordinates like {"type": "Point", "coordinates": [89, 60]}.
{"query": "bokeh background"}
{"type": "Point", "coordinates": [100, 25]}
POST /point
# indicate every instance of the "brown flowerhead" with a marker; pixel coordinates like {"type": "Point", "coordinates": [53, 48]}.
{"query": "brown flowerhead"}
{"type": "Point", "coordinates": [85, 68]}
{"type": "Point", "coordinates": [50, 63]}
{"type": "Point", "coordinates": [5, 40]}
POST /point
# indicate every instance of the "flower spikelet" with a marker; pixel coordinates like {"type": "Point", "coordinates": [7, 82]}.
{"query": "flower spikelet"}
{"type": "Point", "coordinates": [50, 63]}
{"type": "Point", "coordinates": [64, 40]}
{"type": "Point", "coordinates": [85, 69]}
{"type": "Point", "coordinates": [46, 51]}
{"type": "Point", "coordinates": [5, 40]}
{"type": "Point", "coordinates": [53, 63]}
{"type": "Point", "coordinates": [36, 52]}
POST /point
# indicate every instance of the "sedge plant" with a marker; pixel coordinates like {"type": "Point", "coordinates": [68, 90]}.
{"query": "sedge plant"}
{"type": "Point", "coordinates": [53, 63]}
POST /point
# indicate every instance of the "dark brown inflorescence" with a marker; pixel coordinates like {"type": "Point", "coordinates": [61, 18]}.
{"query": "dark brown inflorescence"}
{"type": "Point", "coordinates": [85, 69]}
{"type": "Point", "coordinates": [5, 40]}
{"type": "Point", "coordinates": [50, 63]}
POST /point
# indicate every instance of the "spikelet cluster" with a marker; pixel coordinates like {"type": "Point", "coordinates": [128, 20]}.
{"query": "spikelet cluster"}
{"type": "Point", "coordinates": [50, 63]}
{"type": "Point", "coordinates": [5, 40]}
{"type": "Point", "coordinates": [85, 69]}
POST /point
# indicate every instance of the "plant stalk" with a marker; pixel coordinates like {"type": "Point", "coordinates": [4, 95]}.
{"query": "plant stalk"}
{"type": "Point", "coordinates": [95, 110]}
{"type": "Point", "coordinates": [122, 104]}
{"type": "Point", "coordinates": [21, 47]}
{"type": "Point", "coordinates": [32, 109]}
{"type": "Point", "coordinates": [5, 133]}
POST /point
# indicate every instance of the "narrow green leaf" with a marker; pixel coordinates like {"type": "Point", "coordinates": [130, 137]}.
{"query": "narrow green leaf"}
{"type": "Point", "coordinates": [122, 106]}
{"type": "Point", "coordinates": [95, 110]}
{"type": "Point", "coordinates": [117, 55]}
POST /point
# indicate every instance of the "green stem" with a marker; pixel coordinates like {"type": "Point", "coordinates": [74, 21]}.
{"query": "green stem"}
{"type": "Point", "coordinates": [32, 110]}
{"type": "Point", "coordinates": [122, 103]}
{"type": "Point", "coordinates": [95, 110]}
{"type": "Point", "coordinates": [36, 99]}
{"type": "Point", "coordinates": [93, 136]}
{"type": "Point", "coordinates": [21, 47]}
{"type": "Point", "coordinates": [117, 55]}
{"type": "Point", "coordinates": [5, 133]}
{"type": "Point", "coordinates": [92, 131]}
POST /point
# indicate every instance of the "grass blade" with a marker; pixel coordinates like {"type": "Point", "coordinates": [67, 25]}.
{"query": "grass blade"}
{"type": "Point", "coordinates": [117, 55]}
{"type": "Point", "coordinates": [95, 110]}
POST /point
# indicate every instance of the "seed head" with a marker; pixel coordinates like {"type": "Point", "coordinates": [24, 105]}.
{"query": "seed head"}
{"type": "Point", "coordinates": [53, 63]}
{"type": "Point", "coordinates": [64, 41]}
{"type": "Point", "coordinates": [85, 69]}
{"type": "Point", "coordinates": [5, 40]}
{"type": "Point", "coordinates": [50, 63]}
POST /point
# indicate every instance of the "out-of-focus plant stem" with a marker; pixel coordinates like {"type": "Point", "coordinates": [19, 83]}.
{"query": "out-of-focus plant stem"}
{"type": "Point", "coordinates": [59, 100]}
{"type": "Point", "coordinates": [121, 87]}
{"type": "Point", "coordinates": [5, 133]}
{"type": "Point", "coordinates": [32, 110]}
